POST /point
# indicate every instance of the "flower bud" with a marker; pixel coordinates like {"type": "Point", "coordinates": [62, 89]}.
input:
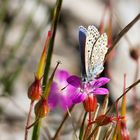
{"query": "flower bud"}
{"type": "Point", "coordinates": [35, 90]}
{"type": "Point", "coordinates": [103, 120]}
{"type": "Point", "coordinates": [135, 53]}
{"type": "Point", "coordinates": [41, 108]}
{"type": "Point", "coordinates": [90, 103]}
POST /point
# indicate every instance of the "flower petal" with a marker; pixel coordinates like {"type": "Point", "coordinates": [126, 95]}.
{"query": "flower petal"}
{"type": "Point", "coordinates": [61, 75]}
{"type": "Point", "coordinates": [67, 96]}
{"type": "Point", "coordinates": [69, 90]}
{"type": "Point", "coordinates": [100, 82]}
{"type": "Point", "coordinates": [101, 91]}
{"type": "Point", "coordinates": [65, 102]}
{"type": "Point", "coordinates": [74, 81]}
{"type": "Point", "coordinates": [78, 97]}
{"type": "Point", "coordinates": [53, 97]}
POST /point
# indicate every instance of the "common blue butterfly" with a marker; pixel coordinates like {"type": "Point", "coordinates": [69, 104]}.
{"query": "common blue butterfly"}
{"type": "Point", "coordinates": [93, 48]}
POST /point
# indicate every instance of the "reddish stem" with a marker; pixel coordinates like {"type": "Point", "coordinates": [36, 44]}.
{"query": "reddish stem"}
{"type": "Point", "coordinates": [86, 131]}
{"type": "Point", "coordinates": [89, 118]}
{"type": "Point", "coordinates": [116, 104]}
{"type": "Point", "coordinates": [29, 126]}
{"type": "Point", "coordinates": [88, 127]}
{"type": "Point", "coordinates": [118, 118]}
{"type": "Point", "coordinates": [28, 120]}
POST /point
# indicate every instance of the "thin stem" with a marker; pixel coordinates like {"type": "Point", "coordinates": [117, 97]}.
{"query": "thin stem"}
{"type": "Point", "coordinates": [103, 110]}
{"type": "Point", "coordinates": [28, 120]}
{"type": "Point", "coordinates": [123, 32]}
{"type": "Point", "coordinates": [120, 26]}
{"type": "Point", "coordinates": [123, 105]}
{"type": "Point", "coordinates": [93, 132]}
{"type": "Point", "coordinates": [51, 43]}
{"type": "Point", "coordinates": [74, 128]}
{"type": "Point", "coordinates": [128, 89]}
{"type": "Point", "coordinates": [88, 126]}
{"type": "Point", "coordinates": [32, 124]}
{"type": "Point", "coordinates": [48, 86]}
{"type": "Point", "coordinates": [62, 123]}
{"type": "Point", "coordinates": [82, 127]}
{"type": "Point", "coordinates": [36, 130]}
{"type": "Point", "coordinates": [87, 131]}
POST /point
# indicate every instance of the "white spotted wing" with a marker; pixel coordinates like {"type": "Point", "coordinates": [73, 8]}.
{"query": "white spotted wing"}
{"type": "Point", "coordinates": [92, 36]}
{"type": "Point", "coordinates": [95, 51]}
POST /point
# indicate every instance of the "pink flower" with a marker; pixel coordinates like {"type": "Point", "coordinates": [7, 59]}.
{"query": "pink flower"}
{"type": "Point", "coordinates": [67, 90]}
{"type": "Point", "coordinates": [84, 89]}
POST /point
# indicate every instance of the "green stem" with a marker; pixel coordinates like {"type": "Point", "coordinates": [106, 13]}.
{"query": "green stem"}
{"type": "Point", "coordinates": [36, 130]}
{"type": "Point", "coordinates": [51, 43]}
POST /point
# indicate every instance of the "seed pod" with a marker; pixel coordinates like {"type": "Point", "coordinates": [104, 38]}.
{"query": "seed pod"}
{"type": "Point", "coordinates": [41, 108]}
{"type": "Point", "coordinates": [35, 90]}
{"type": "Point", "coordinates": [135, 53]}
{"type": "Point", "coordinates": [103, 120]}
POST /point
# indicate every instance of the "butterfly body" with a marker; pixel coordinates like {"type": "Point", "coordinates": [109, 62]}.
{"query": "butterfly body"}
{"type": "Point", "coordinates": [93, 49]}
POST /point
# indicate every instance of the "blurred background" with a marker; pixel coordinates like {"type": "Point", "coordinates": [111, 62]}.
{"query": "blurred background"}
{"type": "Point", "coordinates": [23, 29]}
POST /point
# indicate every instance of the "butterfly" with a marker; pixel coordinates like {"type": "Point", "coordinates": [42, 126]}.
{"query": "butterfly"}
{"type": "Point", "coordinates": [93, 48]}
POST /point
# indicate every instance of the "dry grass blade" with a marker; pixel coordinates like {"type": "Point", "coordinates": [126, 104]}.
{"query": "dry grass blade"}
{"type": "Point", "coordinates": [93, 132]}
{"type": "Point", "coordinates": [108, 133]}
{"type": "Point", "coordinates": [90, 126]}
{"type": "Point", "coordinates": [103, 110]}
{"type": "Point", "coordinates": [105, 104]}
{"type": "Point", "coordinates": [82, 127]}
{"type": "Point", "coordinates": [96, 112]}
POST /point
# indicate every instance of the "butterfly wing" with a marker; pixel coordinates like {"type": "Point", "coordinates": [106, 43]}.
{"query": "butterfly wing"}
{"type": "Point", "coordinates": [98, 55]}
{"type": "Point", "coordinates": [92, 36]}
{"type": "Point", "coordinates": [82, 40]}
